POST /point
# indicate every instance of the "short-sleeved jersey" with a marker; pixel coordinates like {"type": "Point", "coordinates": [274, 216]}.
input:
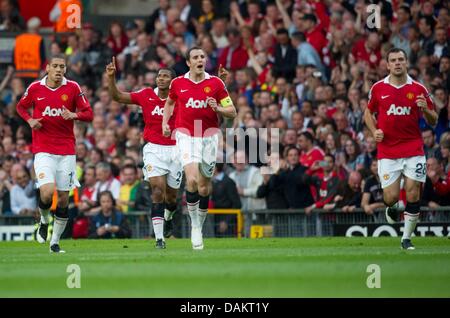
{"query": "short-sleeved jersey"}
{"type": "Point", "coordinates": [190, 99]}
{"type": "Point", "coordinates": [153, 110]}
{"type": "Point", "coordinates": [56, 134]}
{"type": "Point", "coordinates": [398, 117]}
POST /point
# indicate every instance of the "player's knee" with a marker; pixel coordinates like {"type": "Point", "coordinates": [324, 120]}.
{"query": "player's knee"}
{"type": "Point", "coordinates": [390, 199]}
{"type": "Point", "coordinates": [157, 194]}
{"type": "Point", "coordinates": [63, 200]}
{"type": "Point", "coordinates": [46, 195]}
{"type": "Point", "coordinates": [203, 190]}
{"type": "Point", "coordinates": [413, 195]}
{"type": "Point", "coordinates": [171, 199]}
{"type": "Point", "coordinates": [191, 184]}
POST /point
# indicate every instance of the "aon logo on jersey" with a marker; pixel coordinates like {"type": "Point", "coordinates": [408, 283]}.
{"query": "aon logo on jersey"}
{"type": "Point", "coordinates": [399, 110]}
{"type": "Point", "coordinates": [52, 112]}
{"type": "Point", "coordinates": [193, 103]}
{"type": "Point", "coordinates": [158, 111]}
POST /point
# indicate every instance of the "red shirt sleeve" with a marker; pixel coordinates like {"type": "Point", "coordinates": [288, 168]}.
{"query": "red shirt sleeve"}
{"type": "Point", "coordinates": [25, 103]}
{"type": "Point", "coordinates": [136, 97]}
{"type": "Point", "coordinates": [84, 112]}
{"type": "Point", "coordinates": [222, 91]}
{"type": "Point", "coordinates": [373, 102]}
{"type": "Point", "coordinates": [172, 90]}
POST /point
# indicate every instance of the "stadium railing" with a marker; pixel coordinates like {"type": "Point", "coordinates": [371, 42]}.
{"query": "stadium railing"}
{"type": "Point", "coordinates": [280, 223]}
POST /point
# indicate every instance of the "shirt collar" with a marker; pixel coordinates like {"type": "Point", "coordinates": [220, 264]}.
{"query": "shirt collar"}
{"type": "Point", "coordinates": [207, 76]}
{"type": "Point", "coordinates": [409, 80]}
{"type": "Point", "coordinates": [43, 81]}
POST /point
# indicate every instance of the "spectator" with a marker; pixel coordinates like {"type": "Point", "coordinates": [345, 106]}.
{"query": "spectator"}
{"type": "Point", "coordinates": [247, 179]}
{"type": "Point", "coordinates": [372, 197]}
{"type": "Point", "coordinates": [87, 201]}
{"type": "Point", "coordinates": [310, 153]}
{"type": "Point", "coordinates": [430, 147]}
{"type": "Point", "coordinates": [10, 18]}
{"type": "Point", "coordinates": [117, 39]}
{"type": "Point", "coordinates": [105, 181]}
{"type": "Point", "coordinates": [348, 197]}
{"type": "Point", "coordinates": [224, 196]}
{"type": "Point", "coordinates": [437, 187]}
{"type": "Point", "coordinates": [234, 56]}
{"type": "Point", "coordinates": [306, 54]}
{"type": "Point", "coordinates": [291, 179]}
{"type": "Point", "coordinates": [128, 189]}
{"type": "Point", "coordinates": [110, 222]}
{"type": "Point", "coordinates": [285, 56]}
{"type": "Point", "coordinates": [325, 187]}
{"type": "Point", "coordinates": [23, 194]}
{"type": "Point", "coordinates": [29, 52]}
{"type": "Point", "coordinates": [272, 190]}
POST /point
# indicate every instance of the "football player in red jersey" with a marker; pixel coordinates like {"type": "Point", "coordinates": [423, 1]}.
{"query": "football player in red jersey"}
{"type": "Point", "coordinates": [398, 102]}
{"type": "Point", "coordinates": [55, 102]}
{"type": "Point", "coordinates": [161, 166]}
{"type": "Point", "coordinates": [198, 98]}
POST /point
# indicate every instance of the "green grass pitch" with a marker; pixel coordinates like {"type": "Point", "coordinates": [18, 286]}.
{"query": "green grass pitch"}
{"type": "Point", "coordinates": [269, 267]}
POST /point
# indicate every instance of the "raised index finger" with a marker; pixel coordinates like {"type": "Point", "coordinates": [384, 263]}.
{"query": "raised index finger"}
{"type": "Point", "coordinates": [114, 61]}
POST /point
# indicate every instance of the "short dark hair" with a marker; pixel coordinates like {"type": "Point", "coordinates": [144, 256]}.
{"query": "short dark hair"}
{"type": "Point", "coordinates": [188, 53]}
{"type": "Point", "coordinates": [57, 56]}
{"type": "Point", "coordinates": [428, 129]}
{"type": "Point", "coordinates": [308, 136]}
{"type": "Point", "coordinates": [282, 31]}
{"type": "Point", "coordinates": [170, 70]}
{"type": "Point", "coordinates": [330, 156]}
{"type": "Point", "coordinates": [129, 166]}
{"type": "Point", "coordinates": [396, 50]}
{"type": "Point", "coordinates": [299, 36]}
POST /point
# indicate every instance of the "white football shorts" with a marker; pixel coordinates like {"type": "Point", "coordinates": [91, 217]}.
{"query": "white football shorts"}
{"type": "Point", "coordinates": [162, 160]}
{"type": "Point", "coordinates": [389, 170]}
{"type": "Point", "coordinates": [198, 149]}
{"type": "Point", "coordinates": [59, 169]}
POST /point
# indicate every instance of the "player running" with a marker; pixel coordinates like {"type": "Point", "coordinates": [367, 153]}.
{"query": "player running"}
{"type": "Point", "coordinates": [199, 98]}
{"type": "Point", "coordinates": [399, 102]}
{"type": "Point", "coordinates": [54, 101]}
{"type": "Point", "coordinates": [161, 166]}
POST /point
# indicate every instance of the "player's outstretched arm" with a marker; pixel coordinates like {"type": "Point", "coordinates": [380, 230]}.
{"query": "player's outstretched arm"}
{"type": "Point", "coordinates": [168, 111]}
{"type": "Point", "coordinates": [116, 94]}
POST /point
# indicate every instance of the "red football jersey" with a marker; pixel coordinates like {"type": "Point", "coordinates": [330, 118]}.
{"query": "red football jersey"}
{"type": "Point", "coordinates": [190, 99]}
{"type": "Point", "coordinates": [398, 117]}
{"type": "Point", "coordinates": [153, 110]}
{"type": "Point", "coordinates": [56, 134]}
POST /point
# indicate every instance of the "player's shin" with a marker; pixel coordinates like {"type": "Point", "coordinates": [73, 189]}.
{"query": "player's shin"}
{"type": "Point", "coordinates": [203, 209]}
{"type": "Point", "coordinates": [61, 217]}
{"type": "Point", "coordinates": [411, 215]}
{"type": "Point", "coordinates": [192, 199]}
{"type": "Point", "coordinates": [44, 210]}
{"type": "Point", "coordinates": [158, 220]}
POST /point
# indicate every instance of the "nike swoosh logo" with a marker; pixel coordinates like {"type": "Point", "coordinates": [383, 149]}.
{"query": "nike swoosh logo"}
{"type": "Point", "coordinates": [385, 96]}
{"type": "Point", "coordinates": [150, 98]}
{"type": "Point", "coordinates": [183, 90]}
{"type": "Point", "coordinates": [40, 98]}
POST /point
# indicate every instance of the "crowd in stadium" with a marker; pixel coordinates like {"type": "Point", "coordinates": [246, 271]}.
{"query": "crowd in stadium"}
{"type": "Point", "coordinates": [304, 67]}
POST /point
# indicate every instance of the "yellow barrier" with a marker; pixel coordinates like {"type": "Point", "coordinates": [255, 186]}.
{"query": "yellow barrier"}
{"type": "Point", "coordinates": [239, 216]}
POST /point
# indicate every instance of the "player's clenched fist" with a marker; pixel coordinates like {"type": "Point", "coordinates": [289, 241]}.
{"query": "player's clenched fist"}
{"type": "Point", "coordinates": [212, 103]}
{"type": "Point", "coordinates": [166, 130]}
{"type": "Point", "coordinates": [421, 102]}
{"type": "Point", "coordinates": [378, 135]}
{"type": "Point", "coordinates": [35, 123]}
